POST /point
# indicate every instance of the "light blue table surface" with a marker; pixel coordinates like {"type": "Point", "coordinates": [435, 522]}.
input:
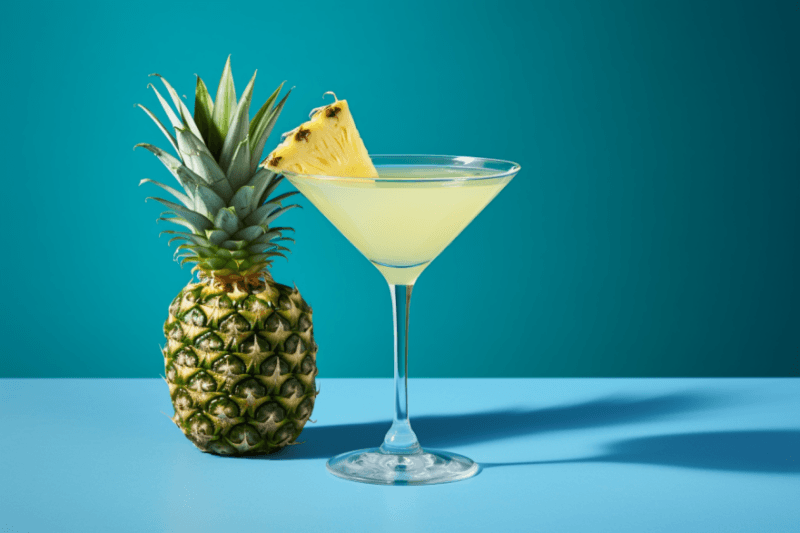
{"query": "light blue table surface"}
{"type": "Point", "coordinates": [644, 455]}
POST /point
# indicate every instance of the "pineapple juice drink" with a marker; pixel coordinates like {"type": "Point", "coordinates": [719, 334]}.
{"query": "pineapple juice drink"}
{"type": "Point", "coordinates": [403, 220]}
{"type": "Point", "coordinates": [400, 215]}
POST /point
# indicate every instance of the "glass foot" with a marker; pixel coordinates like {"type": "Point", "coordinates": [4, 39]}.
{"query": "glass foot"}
{"type": "Point", "coordinates": [424, 468]}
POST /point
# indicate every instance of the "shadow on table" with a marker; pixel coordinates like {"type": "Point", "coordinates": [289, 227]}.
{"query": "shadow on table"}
{"type": "Point", "coordinates": [444, 431]}
{"type": "Point", "coordinates": [767, 451]}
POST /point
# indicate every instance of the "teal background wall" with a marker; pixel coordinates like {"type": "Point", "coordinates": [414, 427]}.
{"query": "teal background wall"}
{"type": "Point", "coordinates": [653, 230]}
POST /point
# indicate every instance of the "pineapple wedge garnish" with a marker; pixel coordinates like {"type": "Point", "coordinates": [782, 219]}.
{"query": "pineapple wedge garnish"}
{"type": "Point", "coordinates": [326, 145]}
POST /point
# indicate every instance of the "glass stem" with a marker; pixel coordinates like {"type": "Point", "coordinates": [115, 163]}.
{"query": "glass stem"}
{"type": "Point", "coordinates": [401, 438]}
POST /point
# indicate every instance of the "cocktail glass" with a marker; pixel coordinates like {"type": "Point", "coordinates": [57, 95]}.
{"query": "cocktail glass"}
{"type": "Point", "coordinates": [401, 221]}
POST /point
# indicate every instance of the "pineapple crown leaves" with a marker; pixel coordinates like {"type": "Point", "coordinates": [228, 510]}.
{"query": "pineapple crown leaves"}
{"type": "Point", "coordinates": [224, 199]}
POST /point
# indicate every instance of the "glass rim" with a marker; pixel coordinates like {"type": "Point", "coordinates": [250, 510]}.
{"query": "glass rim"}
{"type": "Point", "coordinates": [455, 161]}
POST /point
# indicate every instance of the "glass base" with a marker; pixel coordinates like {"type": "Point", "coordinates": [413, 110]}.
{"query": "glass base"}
{"type": "Point", "coordinates": [424, 468]}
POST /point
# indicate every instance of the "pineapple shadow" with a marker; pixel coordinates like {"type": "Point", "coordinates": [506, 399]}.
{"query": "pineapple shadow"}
{"type": "Point", "coordinates": [763, 451]}
{"type": "Point", "coordinates": [446, 431]}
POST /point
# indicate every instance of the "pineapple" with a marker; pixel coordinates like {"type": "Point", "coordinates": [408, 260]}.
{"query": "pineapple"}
{"type": "Point", "coordinates": [240, 357]}
{"type": "Point", "coordinates": [328, 144]}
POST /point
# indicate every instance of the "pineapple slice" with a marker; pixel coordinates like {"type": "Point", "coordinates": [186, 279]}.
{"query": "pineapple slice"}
{"type": "Point", "coordinates": [327, 145]}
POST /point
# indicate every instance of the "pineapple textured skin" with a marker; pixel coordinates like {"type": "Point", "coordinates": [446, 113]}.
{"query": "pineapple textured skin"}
{"type": "Point", "coordinates": [241, 366]}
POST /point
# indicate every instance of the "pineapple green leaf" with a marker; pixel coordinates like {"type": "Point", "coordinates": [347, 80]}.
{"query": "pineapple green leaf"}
{"type": "Point", "coordinates": [171, 216]}
{"type": "Point", "coordinates": [190, 149]}
{"type": "Point", "coordinates": [225, 102]}
{"type": "Point", "coordinates": [278, 212]}
{"type": "Point", "coordinates": [198, 159]}
{"type": "Point", "coordinates": [206, 201]}
{"type": "Point", "coordinates": [179, 238]}
{"type": "Point", "coordinates": [215, 263]}
{"type": "Point", "coordinates": [262, 257]}
{"type": "Point", "coordinates": [260, 215]}
{"type": "Point", "coordinates": [197, 239]}
{"type": "Point", "coordinates": [268, 208]}
{"type": "Point", "coordinates": [189, 179]}
{"type": "Point", "coordinates": [203, 109]}
{"type": "Point", "coordinates": [178, 220]}
{"type": "Point", "coordinates": [182, 198]}
{"type": "Point", "coordinates": [227, 220]}
{"type": "Point", "coordinates": [257, 217]}
{"type": "Point", "coordinates": [258, 257]}
{"type": "Point", "coordinates": [255, 248]}
{"type": "Point", "coordinates": [200, 241]}
{"type": "Point", "coordinates": [231, 246]}
{"type": "Point", "coordinates": [163, 129]}
{"type": "Point", "coordinates": [245, 264]}
{"type": "Point", "coordinates": [220, 183]}
{"type": "Point", "coordinates": [173, 118]}
{"type": "Point", "coordinates": [260, 181]}
{"type": "Point", "coordinates": [278, 247]}
{"type": "Point", "coordinates": [237, 133]}
{"type": "Point", "coordinates": [235, 246]}
{"type": "Point", "coordinates": [202, 251]}
{"type": "Point", "coordinates": [181, 248]}
{"type": "Point", "coordinates": [182, 174]}
{"type": "Point", "coordinates": [266, 238]}
{"type": "Point", "coordinates": [270, 188]}
{"type": "Point", "coordinates": [239, 168]}
{"type": "Point", "coordinates": [185, 115]}
{"type": "Point", "coordinates": [283, 196]}
{"type": "Point", "coordinates": [196, 219]}
{"type": "Point", "coordinates": [263, 133]}
{"type": "Point", "coordinates": [273, 234]}
{"type": "Point", "coordinates": [190, 259]}
{"type": "Point", "coordinates": [217, 236]}
{"type": "Point", "coordinates": [277, 199]}
{"type": "Point", "coordinates": [187, 258]}
{"type": "Point", "coordinates": [262, 116]}
{"type": "Point", "coordinates": [241, 201]}
{"type": "Point", "coordinates": [249, 233]}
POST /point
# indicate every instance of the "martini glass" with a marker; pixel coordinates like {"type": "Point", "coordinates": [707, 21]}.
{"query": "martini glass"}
{"type": "Point", "coordinates": [401, 221]}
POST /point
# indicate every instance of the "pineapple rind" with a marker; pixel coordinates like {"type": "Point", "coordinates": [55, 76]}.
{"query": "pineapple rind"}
{"type": "Point", "coordinates": [195, 390]}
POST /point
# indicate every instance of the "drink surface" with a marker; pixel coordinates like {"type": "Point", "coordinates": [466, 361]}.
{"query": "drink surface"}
{"type": "Point", "coordinates": [403, 224]}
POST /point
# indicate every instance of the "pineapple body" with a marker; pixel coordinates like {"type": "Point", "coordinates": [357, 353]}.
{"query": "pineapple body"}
{"type": "Point", "coordinates": [241, 366]}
